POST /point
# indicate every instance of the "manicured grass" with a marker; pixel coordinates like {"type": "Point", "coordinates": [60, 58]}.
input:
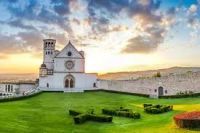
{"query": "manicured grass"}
{"type": "Point", "coordinates": [48, 113]}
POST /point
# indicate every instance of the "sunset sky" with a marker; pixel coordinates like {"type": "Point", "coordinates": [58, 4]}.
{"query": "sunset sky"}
{"type": "Point", "coordinates": [117, 35]}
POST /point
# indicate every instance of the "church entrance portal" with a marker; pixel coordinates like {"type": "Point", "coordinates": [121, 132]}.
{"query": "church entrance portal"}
{"type": "Point", "coordinates": [69, 81]}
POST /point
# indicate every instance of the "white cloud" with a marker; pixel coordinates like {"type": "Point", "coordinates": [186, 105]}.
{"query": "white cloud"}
{"type": "Point", "coordinates": [193, 9]}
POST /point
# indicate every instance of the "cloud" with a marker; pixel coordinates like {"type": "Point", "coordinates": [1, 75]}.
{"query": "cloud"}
{"type": "Point", "coordinates": [61, 7]}
{"type": "Point", "coordinates": [89, 20]}
{"type": "Point", "coordinates": [142, 12]}
{"type": "Point", "coordinates": [19, 24]}
{"type": "Point", "coordinates": [21, 42]}
{"type": "Point", "coordinates": [34, 20]}
{"type": "Point", "coordinates": [192, 9]}
{"type": "Point", "coordinates": [51, 12]}
{"type": "Point", "coordinates": [149, 26]}
{"type": "Point", "coordinates": [145, 43]}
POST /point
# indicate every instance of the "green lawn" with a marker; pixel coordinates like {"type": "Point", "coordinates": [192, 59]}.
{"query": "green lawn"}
{"type": "Point", "coordinates": [48, 113]}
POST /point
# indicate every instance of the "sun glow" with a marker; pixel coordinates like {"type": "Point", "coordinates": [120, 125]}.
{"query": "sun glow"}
{"type": "Point", "coordinates": [20, 63]}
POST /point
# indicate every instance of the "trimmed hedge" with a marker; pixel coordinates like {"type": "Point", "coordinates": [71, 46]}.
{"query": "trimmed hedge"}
{"type": "Point", "coordinates": [181, 96]}
{"type": "Point", "coordinates": [119, 92]}
{"type": "Point", "coordinates": [83, 117]}
{"type": "Point", "coordinates": [147, 105]}
{"type": "Point", "coordinates": [121, 112]}
{"type": "Point", "coordinates": [100, 118]}
{"type": "Point", "coordinates": [157, 109]}
{"type": "Point", "coordinates": [80, 118]}
{"type": "Point", "coordinates": [20, 97]}
{"type": "Point", "coordinates": [74, 113]}
{"type": "Point", "coordinates": [146, 95]}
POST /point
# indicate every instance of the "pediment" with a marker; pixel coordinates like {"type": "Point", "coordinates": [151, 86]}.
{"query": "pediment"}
{"type": "Point", "coordinates": [64, 53]}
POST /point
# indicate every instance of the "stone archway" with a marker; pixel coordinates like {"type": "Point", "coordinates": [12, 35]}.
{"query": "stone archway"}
{"type": "Point", "coordinates": [160, 91]}
{"type": "Point", "coordinates": [69, 81]}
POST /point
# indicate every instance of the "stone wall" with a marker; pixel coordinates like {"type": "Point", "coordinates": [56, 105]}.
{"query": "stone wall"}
{"type": "Point", "coordinates": [15, 88]}
{"type": "Point", "coordinates": [171, 84]}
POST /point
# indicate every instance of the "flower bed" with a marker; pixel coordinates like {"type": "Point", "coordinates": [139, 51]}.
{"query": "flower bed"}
{"type": "Point", "coordinates": [188, 120]}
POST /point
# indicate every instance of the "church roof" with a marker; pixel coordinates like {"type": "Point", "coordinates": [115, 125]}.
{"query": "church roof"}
{"type": "Point", "coordinates": [70, 45]}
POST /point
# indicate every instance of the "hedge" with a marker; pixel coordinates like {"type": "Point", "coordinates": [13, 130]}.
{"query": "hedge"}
{"type": "Point", "coordinates": [83, 117]}
{"type": "Point", "coordinates": [181, 96]}
{"type": "Point", "coordinates": [146, 95]}
{"type": "Point", "coordinates": [100, 118]}
{"type": "Point", "coordinates": [80, 118]}
{"type": "Point", "coordinates": [188, 120]}
{"type": "Point", "coordinates": [20, 97]}
{"type": "Point", "coordinates": [147, 105]}
{"type": "Point", "coordinates": [157, 109]}
{"type": "Point", "coordinates": [74, 113]}
{"type": "Point", "coordinates": [121, 112]}
{"type": "Point", "coordinates": [118, 92]}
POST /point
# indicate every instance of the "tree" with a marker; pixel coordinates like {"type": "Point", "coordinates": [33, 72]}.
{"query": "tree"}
{"type": "Point", "coordinates": [157, 75]}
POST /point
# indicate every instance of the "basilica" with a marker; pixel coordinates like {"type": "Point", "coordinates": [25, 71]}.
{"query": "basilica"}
{"type": "Point", "coordinates": [64, 70]}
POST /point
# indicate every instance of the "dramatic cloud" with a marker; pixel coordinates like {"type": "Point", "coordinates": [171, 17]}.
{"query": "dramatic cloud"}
{"type": "Point", "coordinates": [22, 42]}
{"type": "Point", "coordinates": [61, 7]}
{"type": "Point", "coordinates": [145, 43]}
{"type": "Point", "coordinates": [193, 8]}
{"type": "Point", "coordinates": [88, 20]}
{"type": "Point", "coordinates": [149, 26]}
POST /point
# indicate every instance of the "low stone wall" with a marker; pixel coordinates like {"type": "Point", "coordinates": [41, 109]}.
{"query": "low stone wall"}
{"type": "Point", "coordinates": [171, 84]}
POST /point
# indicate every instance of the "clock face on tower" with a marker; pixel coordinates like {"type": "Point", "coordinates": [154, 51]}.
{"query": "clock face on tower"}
{"type": "Point", "coordinates": [69, 64]}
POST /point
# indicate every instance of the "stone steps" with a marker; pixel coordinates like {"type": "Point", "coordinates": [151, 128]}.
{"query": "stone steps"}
{"type": "Point", "coordinates": [73, 90]}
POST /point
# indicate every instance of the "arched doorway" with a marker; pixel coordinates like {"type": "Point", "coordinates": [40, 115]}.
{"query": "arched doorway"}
{"type": "Point", "coordinates": [69, 81]}
{"type": "Point", "coordinates": [160, 91]}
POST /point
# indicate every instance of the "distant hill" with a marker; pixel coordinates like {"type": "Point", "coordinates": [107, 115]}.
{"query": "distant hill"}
{"type": "Point", "coordinates": [18, 77]}
{"type": "Point", "coordinates": [148, 73]}
{"type": "Point", "coordinates": [109, 76]}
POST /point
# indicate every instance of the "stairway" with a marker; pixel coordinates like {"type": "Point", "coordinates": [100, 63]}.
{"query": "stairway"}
{"type": "Point", "coordinates": [73, 90]}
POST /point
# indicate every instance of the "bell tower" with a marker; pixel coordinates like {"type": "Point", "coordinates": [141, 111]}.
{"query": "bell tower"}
{"type": "Point", "coordinates": [48, 52]}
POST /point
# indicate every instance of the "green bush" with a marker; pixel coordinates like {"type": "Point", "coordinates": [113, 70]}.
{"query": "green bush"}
{"type": "Point", "coordinates": [74, 113]}
{"type": "Point", "coordinates": [85, 117]}
{"type": "Point", "coordinates": [121, 112]}
{"type": "Point", "coordinates": [108, 112]}
{"type": "Point", "coordinates": [100, 118]}
{"type": "Point", "coordinates": [20, 97]}
{"type": "Point", "coordinates": [81, 118]}
{"type": "Point", "coordinates": [157, 109]}
{"type": "Point", "coordinates": [181, 96]}
{"type": "Point", "coordinates": [146, 105]}
{"type": "Point", "coordinates": [136, 115]}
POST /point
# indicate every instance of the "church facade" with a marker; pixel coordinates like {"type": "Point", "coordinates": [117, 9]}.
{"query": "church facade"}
{"type": "Point", "coordinates": [64, 70]}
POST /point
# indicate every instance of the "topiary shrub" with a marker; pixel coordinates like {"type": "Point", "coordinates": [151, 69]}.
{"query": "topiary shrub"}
{"type": "Point", "coordinates": [147, 105]}
{"type": "Point", "coordinates": [157, 109]}
{"type": "Point", "coordinates": [74, 113]}
{"type": "Point", "coordinates": [100, 118]}
{"type": "Point", "coordinates": [188, 120]}
{"type": "Point", "coordinates": [80, 118]}
{"type": "Point", "coordinates": [108, 112]}
{"type": "Point", "coordinates": [121, 112]}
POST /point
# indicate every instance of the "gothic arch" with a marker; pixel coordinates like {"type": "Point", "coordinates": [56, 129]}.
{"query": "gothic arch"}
{"type": "Point", "coordinates": [69, 81]}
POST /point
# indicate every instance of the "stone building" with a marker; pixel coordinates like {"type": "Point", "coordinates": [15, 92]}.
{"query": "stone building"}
{"type": "Point", "coordinates": [64, 70]}
{"type": "Point", "coordinates": [9, 88]}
